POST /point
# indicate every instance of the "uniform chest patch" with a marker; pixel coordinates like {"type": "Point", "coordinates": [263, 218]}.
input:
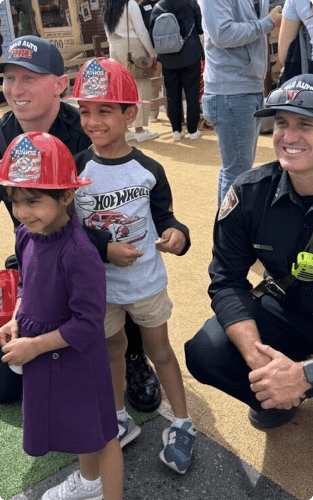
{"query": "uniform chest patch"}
{"type": "Point", "coordinates": [229, 204]}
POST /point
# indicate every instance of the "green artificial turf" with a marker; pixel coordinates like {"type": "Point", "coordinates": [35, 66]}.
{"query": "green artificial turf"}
{"type": "Point", "coordinates": [19, 471]}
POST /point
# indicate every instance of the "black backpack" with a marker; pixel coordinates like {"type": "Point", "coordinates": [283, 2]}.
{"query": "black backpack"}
{"type": "Point", "coordinates": [298, 60]}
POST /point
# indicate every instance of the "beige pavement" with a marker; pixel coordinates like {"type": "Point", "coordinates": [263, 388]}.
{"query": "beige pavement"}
{"type": "Point", "coordinates": [285, 455]}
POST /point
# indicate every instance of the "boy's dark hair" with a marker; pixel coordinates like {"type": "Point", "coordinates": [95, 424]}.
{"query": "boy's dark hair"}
{"type": "Point", "coordinates": [124, 106]}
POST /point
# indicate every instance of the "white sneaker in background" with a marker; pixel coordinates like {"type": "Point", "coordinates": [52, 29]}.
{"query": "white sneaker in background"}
{"type": "Point", "coordinates": [145, 135]}
{"type": "Point", "coordinates": [195, 136]}
{"type": "Point", "coordinates": [129, 135]}
{"type": "Point", "coordinates": [177, 136]}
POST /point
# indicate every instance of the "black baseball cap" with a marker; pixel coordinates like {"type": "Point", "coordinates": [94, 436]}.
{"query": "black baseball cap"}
{"type": "Point", "coordinates": [295, 96]}
{"type": "Point", "coordinates": [34, 53]}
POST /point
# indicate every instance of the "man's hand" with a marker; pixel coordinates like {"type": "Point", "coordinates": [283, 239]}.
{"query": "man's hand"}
{"type": "Point", "coordinates": [122, 254]}
{"type": "Point", "coordinates": [279, 384]}
{"type": "Point", "coordinates": [8, 332]}
{"type": "Point", "coordinates": [276, 15]}
{"type": "Point", "coordinates": [175, 241]}
{"type": "Point", "coordinates": [19, 351]}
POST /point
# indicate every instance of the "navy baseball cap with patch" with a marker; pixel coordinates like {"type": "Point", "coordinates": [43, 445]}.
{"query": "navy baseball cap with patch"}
{"type": "Point", "coordinates": [295, 96]}
{"type": "Point", "coordinates": [34, 53]}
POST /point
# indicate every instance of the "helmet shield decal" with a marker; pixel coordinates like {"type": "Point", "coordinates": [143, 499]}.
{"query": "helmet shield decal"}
{"type": "Point", "coordinates": [25, 162]}
{"type": "Point", "coordinates": [95, 80]}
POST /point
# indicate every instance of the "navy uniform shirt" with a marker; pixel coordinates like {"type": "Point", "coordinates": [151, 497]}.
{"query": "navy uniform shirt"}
{"type": "Point", "coordinates": [261, 217]}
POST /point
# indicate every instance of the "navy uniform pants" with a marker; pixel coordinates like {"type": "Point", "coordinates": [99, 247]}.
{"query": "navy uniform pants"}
{"type": "Point", "coordinates": [214, 360]}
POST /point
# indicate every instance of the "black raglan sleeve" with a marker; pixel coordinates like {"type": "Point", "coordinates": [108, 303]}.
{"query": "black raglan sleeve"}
{"type": "Point", "coordinates": [161, 202]}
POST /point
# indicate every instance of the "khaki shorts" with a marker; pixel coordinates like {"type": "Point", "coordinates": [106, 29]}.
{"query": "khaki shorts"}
{"type": "Point", "coordinates": [150, 312]}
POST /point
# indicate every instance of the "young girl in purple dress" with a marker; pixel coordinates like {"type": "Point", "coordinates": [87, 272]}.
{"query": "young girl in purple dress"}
{"type": "Point", "coordinates": [56, 332]}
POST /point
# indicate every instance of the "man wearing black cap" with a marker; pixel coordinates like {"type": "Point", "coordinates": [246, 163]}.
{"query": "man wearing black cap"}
{"type": "Point", "coordinates": [259, 345]}
{"type": "Point", "coordinates": [33, 85]}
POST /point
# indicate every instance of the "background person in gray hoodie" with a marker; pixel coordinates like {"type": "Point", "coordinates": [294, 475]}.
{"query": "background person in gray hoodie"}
{"type": "Point", "coordinates": [235, 69]}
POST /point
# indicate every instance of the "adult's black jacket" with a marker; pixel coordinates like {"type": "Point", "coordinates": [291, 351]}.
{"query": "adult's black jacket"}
{"type": "Point", "coordinates": [262, 218]}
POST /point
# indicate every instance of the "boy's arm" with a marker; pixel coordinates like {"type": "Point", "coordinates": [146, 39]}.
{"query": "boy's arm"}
{"type": "Point", "coordinates": [100, 239]}
{"type": "Point", "coordinates": [161, 205]}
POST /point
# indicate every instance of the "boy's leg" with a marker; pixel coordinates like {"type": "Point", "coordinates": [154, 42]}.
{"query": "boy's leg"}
{"type": "Point", "coordinates": [110, 461]}
{"type": "Point", "coordinates": [117, 345]}
{"type": "Point", "coordinates": [157, 346]}
{"type": "Point", "coordinates": [179, 438]}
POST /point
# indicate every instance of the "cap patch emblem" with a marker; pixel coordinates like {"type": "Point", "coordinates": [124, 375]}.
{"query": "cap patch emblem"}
{"type": "Point", "coordinates": [229, 204]}
{"type": "Point", "coordinates": [95, 80]}
{"type": "Point", "coordinates": [25, 164]}
{"type": "Point", "coordinates": [292, 94]}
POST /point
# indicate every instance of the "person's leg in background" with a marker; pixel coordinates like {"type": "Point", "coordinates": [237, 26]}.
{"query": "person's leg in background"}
{"type": "Point", "coordinates": [143, 387]}
{"type": "Point", "coordinates": [191, 84]}
{"type": "Point", "coordinates": [174, 87]}
{"type": "Point", "coordinates": [154, 108]}
{"type": "Point", "coordinates": [142, 133]}
{"type": "Point", "coordinates": [118, 52]}
{"type": "Point", "coordinates": [237, 131]}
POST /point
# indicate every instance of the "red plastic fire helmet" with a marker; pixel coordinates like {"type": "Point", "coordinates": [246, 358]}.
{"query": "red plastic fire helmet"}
{"type": "Point", "coordinates": [39, 160]}
{"type": "Point", "coordinates": [105, 80]}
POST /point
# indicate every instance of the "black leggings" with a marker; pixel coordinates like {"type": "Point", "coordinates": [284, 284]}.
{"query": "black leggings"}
{"type": "Point", "coordinates": [175, 81]}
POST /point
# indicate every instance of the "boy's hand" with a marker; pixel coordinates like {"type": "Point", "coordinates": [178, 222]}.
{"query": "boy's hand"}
{"type": "Point", "coordinates": [122, 254]}
{"type": "Point", "coordinates": [8, 332]}
{"type": "Point", "coordinates": [175, 241]}
{"type": "Point", "coordinates": [19, 351]}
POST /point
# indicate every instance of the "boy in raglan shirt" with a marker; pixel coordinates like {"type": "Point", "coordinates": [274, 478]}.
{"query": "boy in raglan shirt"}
{"type": "Point", "coordinates": [131, 198]}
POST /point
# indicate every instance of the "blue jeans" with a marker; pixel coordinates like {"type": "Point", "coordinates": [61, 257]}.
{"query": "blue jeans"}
{"type": "Point", "coordinates": [237, 131]}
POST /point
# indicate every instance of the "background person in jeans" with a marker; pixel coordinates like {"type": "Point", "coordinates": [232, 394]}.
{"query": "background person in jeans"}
{"type": "Point", "coordinates": [236, 63]}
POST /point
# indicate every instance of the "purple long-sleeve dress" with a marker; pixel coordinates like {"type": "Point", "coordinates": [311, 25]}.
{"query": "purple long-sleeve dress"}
{"type": "Point", "coordinates": [68, 397]}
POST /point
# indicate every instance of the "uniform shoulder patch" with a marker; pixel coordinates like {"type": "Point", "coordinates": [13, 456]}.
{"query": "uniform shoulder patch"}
{"type": "Point", "coordinates": [229, 204]}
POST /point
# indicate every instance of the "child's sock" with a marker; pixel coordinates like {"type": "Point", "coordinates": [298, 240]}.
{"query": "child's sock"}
{"type": "Point", "coordinates": [178, 422]}
{"type": "Point", "coordinates": [87, 482]}
{"type": "Point", "coordinates": [122, 415]}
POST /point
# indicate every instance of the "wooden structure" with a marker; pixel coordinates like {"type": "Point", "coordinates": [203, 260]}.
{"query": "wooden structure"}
{"type": "Point", "coordinates": [87, 51]}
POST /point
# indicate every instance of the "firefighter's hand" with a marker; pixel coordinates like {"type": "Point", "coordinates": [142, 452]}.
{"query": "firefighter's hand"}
{"type": "Point", "coordinates": [279, 384]}
{"type": "Point", "coordinates": [122, 254]}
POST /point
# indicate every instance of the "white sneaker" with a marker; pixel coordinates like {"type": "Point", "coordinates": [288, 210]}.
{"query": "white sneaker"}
{"type": "Point", "coordinates": [73, 489]}
{"type": "Point", "coordinates": [177, 136]}
{"type": "Point", "coordinates": [153, 119]}
{"type": "Point", "coordinates": [145, 135]}
{"type": "Point", "coordinates": [129, 135]}
{"type": "Point", "coordinates": [195, 136]}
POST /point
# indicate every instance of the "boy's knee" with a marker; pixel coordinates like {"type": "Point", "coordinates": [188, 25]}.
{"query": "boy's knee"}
{"type": "Point", "coordinates": [117, 344]}
{"type": "Point", "coordinates": [162, 357]}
